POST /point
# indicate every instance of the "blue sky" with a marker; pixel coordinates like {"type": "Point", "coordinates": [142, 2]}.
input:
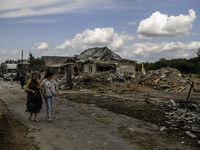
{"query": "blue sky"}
{"type": "Point", "coordinates": [141, 30]}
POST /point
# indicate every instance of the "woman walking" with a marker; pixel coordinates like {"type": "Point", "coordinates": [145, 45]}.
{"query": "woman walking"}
{"type": "Point", "coordinates": [22, 80]}
{"type": "Point", "coordinates": [49, 88]}
{"type": "Point", "coordinates": [34, 99]}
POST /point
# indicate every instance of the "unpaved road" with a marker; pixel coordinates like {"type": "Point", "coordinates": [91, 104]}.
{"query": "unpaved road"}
{"type": "Point", "coordinates": [84, 120]}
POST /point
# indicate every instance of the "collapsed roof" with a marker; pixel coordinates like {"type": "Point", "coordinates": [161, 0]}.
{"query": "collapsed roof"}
{"type": "Point", "coordinates": [98, 54]}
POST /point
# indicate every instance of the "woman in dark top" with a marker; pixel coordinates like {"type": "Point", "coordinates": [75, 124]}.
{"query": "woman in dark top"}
{"type": "Point", "coordinates": [34, 99]}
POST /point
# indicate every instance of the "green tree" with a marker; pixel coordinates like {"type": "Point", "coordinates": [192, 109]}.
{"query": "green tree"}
{"type": "Point", "coordinates": [194, 60]}
{"type": "Point", "coordinates": [10, 61]}
{"type": "Point", "coordinates": [198, 69]}
{"type": "Point", "coordinates": [198, 53]}
{"type": "Point", "coordinates": [191, 65]}
{"type": "Point", "coordinates": [36, 64]}
{"type": "Point", "coordinates": [159, 64]}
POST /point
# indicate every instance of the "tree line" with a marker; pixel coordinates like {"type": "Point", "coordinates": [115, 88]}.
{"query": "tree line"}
{"type": "Point", "coordinates": [188, 66]}
{"type": "Point", "coordinates": [35, 63]}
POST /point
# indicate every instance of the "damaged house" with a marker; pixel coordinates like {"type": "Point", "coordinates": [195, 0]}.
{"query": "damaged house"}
{"type": "Point", "coordinates": [23, 66]}
{"type": "Point", "coordinates": [94, 60]}
{"type": "Point", "coordinates": [52, 63]}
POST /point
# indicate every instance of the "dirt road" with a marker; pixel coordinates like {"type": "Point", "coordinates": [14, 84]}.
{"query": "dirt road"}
{"type": "Point", "coordinates": [85, 120]}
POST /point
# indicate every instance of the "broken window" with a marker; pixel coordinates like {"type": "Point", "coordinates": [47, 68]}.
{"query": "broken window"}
{"type": "Point", "coordinates": [75, 69]}
{"type": "Point", "coordinates": [106, 68]}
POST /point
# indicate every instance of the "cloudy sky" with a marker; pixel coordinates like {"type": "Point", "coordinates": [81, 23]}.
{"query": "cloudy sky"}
{"type": "Point", "coordinates": [141, 30]}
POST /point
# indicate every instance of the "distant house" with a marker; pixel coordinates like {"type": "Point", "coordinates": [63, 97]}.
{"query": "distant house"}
{"type": "Point", "coordinates": [52, 63]}
{"type": "Point", "coordinates": [23, 66]}
{"type": "Point", "coordinates": [101, 59]}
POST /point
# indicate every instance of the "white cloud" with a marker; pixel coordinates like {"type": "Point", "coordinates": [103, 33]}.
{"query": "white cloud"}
{"type": "Point", "coordinates": [42, 46]}
{"type": "Point", "coordinates": [11, 54]}
{"type": "Point", "coordinates": [37, 20]}
{"type": "Point", "coordinates": [43, 49]}
{"type": "Point", "coordinates": [94, 38]}
{"type": "Point", "coordinates": [131, 23]}
{"type": "Point", "coordinates": [161, 25]}
{"type": "Point", "coordinates": [142, 52]}
{"type": "Point", "coordinates": [23, 8]}
{"type": "Point", "coordinates": [97, 36]}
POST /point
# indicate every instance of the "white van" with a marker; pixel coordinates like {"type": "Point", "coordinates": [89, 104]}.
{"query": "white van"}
{"type": "Point", "coordinates": [10, 69]}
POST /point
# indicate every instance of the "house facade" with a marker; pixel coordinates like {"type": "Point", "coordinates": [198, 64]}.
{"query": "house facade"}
{"type": "Point", "coordinates": [23, 66]}
{"type": "Point", "coordinates": [52, 63]}
{"type": "Point", "coordinates": [92, 60]}
{"type": "Point", "coordinates": [96, 60]}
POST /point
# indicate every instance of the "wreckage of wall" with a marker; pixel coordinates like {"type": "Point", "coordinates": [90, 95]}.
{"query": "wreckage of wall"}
{"type": "Point", "coordinates": [89, 68]}
{"type": "Point", "coordinates": [74, 67]}
{"type": "Point", "coordinates": [94, 67]}
{"type": "Point", "coordinates": [126, 68]}
{"type": "Point", "coordinates": [102, 67]}
{"type": "Point", "coordinates": [52, 63]}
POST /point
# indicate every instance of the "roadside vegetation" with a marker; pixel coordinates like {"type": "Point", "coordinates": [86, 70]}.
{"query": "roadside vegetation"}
{"type": "Point", "coordinates": [186, 66]}
{"type": "Point", "coordinates": [35, 63]}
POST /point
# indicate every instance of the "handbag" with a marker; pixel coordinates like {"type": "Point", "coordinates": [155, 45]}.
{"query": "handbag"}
{"type": "Point", "coordinates": [48, 94]}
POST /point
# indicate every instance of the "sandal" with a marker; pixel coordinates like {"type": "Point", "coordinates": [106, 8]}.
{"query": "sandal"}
{"type": "Point", "coordinates": [36, 120]}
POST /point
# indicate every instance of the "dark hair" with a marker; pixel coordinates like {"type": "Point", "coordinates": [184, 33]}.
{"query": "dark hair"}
{"type": "Point", "coordinates": [33, 75]}
{"type": "Point", "coordinates": [49, 74]}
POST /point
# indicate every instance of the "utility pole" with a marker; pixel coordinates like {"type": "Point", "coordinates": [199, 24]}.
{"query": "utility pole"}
{"type": "Point", "coordinates": [69, 79]}
{"type": "Point", "coordinates": [22, 60]}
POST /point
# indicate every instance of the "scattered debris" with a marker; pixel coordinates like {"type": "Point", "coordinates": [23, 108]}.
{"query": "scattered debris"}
{"type": "Point", "coordinates": [185, 115]}
{"type": "Point", "coordinates": [198, 142]}
{"type": "Point", "coordinates": [168, 79]}
{"type": "Point", "coordinates": [163, 128]}
{"type": "Point", "coordinates": [191, 135]}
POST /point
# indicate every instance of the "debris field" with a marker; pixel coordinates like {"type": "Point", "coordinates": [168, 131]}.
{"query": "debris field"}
{"type": "Point", "coordinates": [167, 112]}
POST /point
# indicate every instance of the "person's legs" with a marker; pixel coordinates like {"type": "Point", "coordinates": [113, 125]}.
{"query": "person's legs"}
{"type": "Point", "coordinates": [48, 101]}
{"type": "Point", "coordinates": [51, 103]}
{"type": "Point", "coordinates": [29, 118]}
{"type": "Point", "coordinates": [35, 119]}
{"type": "Point", "coordinates": [22, 86]}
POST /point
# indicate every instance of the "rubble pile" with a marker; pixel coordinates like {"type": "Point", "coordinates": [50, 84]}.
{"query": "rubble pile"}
{"type": "Point", "coordinates": [179, 115]}
{"type": "Point", "coordinates": [169, 79]}
{"type": "Point", "coordinates": [97, 80]}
